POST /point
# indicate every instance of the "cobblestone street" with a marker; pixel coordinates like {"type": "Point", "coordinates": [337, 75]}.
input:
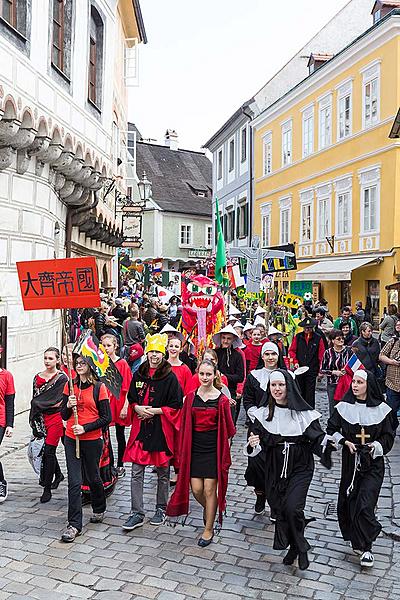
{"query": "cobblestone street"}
{"type": "Point", "coordinates": [165, 563]}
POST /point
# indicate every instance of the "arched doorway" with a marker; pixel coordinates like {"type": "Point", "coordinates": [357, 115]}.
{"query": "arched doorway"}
{"type": "Point", "coordinates": [104, 281]}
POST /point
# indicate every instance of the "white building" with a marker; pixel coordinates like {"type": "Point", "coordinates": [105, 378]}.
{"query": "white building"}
{"type": "Point", "coordinates": [64, 69]}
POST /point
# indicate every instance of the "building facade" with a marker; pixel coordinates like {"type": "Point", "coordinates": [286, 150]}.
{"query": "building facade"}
{"type": "Point", "coordinates": [176, 223]}
{"type": "Point", "coordinates": [325, 170]}
{"type": "Point", "coordinates": [63, 80]}
{"type": "Point", "coordinates": [231, 148]}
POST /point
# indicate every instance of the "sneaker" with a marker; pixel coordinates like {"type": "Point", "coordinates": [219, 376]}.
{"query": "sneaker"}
{"type": "Point", "coordinates": [367, 559]}
{"type": "Point", "coordinates": [3, 490]}
{"type": "Point", "coordinates": [133, 522]}
{"type": "Point", "coordinates": [158, 518]}
{"type": "Point", "coordinates": [272, 516]}
{"type": "Point", "coordinates": [260, 504]}
{"type": "Point", "coordinates": [121, 472]}
{"type": "Point", "coordinates": [97, 518]}
{"type": "Point", "coordinates": [69, 534]}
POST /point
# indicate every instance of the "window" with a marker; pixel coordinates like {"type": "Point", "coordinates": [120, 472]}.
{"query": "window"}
{"type": "Point", "coordinates": [208, 236]}
{"type": "Point", "coordinates": [229, 230]}
{"type": "Point", "coordinates": [377, 16]}
{"type": "Point", "coordinates": [267, 154]}
{"type": "Point", "coordinates": [285, 218]}
{"type": "Point", "coordinates": [243, 145]}
{"type": "Point", "coordinates": [61, 36]}
{"type": "Point", "coordinates": [95, 58]}
{"type": "Point", "coordinates": [323, 218]}
{"type": "Point", "coordinates": [306, 219]}
{"type": "Point", "coordinates": [231, 155]}
{"type": "Point", "coordinates": [371, 91]}
{"type": "Point", "coordinates": [266, 230]}
{"type": "Point", "coordinates": [115, 146]}
{"type": "Point", "coordinates": [343, 214]}
{"type": "Point", "coordinates": [344, 117]}
{"type": "Point", "coordinates": [8, 11]}
{"type": "Point", "coordinates": [325, 122]}
{"type": "Point", "coordinates": [287, 143]}
{"type": "Point", "coordinates": [57, 54]}
{"type": "Point", "coordinates": [369, 209]}
{"type": "Point", "coordinates": [308, 132]}
{"type": "Point", "coordinates": [242, 220]}
{"type": "Point", "coordinates": [219, 167]}
{"type": "Point", "coordinates": [186, 235]}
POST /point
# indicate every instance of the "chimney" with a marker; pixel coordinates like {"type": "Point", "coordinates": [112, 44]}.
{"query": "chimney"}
{"type": "Point", "coordinates": [382, 7]}
{"type": "Point", "coordinates": [317, 60]}
{"type": "Point", "coordinates": [171, 139]}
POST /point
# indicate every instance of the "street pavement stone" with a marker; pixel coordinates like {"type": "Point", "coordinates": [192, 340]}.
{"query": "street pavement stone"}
{"type": "Point", "coordinates": [165, 563]}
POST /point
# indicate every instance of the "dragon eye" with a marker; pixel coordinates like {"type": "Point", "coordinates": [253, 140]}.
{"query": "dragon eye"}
{"type": "Point", "coordinates": [193, 288]}
{"type": "Point", "coordinates": [209, 290]}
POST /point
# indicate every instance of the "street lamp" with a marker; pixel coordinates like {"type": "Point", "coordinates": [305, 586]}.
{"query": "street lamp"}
{"type": "Point", "coordinates": [144, 186]}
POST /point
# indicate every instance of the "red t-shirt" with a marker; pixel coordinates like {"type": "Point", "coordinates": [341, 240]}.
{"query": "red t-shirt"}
{"type": "Point", "coordinates": [6, 389]}
{"type": "Point", "coordinates": [87, 410]}
{"type": "Point", "coordinates": [252, 354]}
{"type": "Point", "coordinates": [184, 376]}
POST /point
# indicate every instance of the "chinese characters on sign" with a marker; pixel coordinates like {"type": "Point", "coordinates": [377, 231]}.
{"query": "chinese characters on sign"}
{"type": "Point", "coordinates": [59, 283]}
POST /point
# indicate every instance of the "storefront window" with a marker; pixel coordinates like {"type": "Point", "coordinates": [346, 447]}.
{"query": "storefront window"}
{"type": "Point", "coordinates": [345, 293]}
{"type": "Point", "coordinates": [373, 290]}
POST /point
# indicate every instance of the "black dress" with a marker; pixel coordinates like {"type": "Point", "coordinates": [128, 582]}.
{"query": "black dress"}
{"type": "Point", "coordinates": [204, 438]}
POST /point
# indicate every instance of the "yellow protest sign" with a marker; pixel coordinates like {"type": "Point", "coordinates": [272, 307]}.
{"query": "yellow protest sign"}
{"type": "Point", "coordinates": [289, 300]}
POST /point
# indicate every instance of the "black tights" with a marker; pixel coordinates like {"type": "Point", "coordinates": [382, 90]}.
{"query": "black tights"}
{"type": "Point", "coordinates": [2, 432]}
{"type": "Point", "coordinates": [121, 442]}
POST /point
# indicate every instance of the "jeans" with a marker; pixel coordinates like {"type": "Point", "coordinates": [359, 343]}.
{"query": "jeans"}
{"type": "Point", "coordinates": [90, 451]}
{"type": "Point", "coordinates": [137, 479]}
{"type": "Point", "coordinates": [393, 399]}
{"type": "Point", "coordinates": [331, 389]}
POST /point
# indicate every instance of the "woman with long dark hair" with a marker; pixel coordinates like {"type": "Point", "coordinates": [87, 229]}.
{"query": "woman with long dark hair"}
{"type": "Point", "coordinates": [45, 418]}
{"type": "Point", "coordinates": [90, 397]}
{"type": "Point", "coordinates": [289, 432]}
{"type": "Point", "coordinates": [206, 429]}
{"type": "Point", "coordinates": [361, 424]}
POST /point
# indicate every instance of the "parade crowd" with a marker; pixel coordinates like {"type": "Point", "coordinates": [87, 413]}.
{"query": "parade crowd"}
{"type": "Point", "coordinates": [177, 412]}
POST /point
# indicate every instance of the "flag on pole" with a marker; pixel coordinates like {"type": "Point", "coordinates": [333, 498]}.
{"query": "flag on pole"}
{"type": "Point", "coordinates": [221, 271]}
{"type": "Point", "coordinates": [90, 348]}
{"type": "Point", "coordinates": [354, 364]}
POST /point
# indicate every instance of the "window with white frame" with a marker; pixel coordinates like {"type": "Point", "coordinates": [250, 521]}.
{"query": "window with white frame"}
{"type": "Point", "coordinates": [243, 144]}
{"type": "Point", "coordinates": [287, 143]}
{"type": "Point", "coordinates": [231, 155]}
{"type": "Point", "coordinates": [306, 221]}
{"type": "Point", "coordinates": [308, 131]}
{"type": "Point", "coordinates": [285, 206]}
{"type": "Point", "coordinates": [343, 214]}
{"type": "Point", "coordinates": [242, 219]}
{"type": "Point", "coordinates": [344, 108]}
{"type": "Point", "coordinates": [186, 235]}
{"type": "Point", "coordinates": [323, 218]}
{"type": "Point", "coordinates": [230, 225]}
{"type": "Point", "coordinates": [208, 236]}
{"type": "Point", "coordinates": [267, 154]}
{"type": "Point", "coordinates": [325, 122]}
{"type": "Point", "coordinates": [219, 165]}
{"type": "Point", "coordinates": [371, 93]}
{"type": "Point", "coordinates": [370, 200]}
{"type": "Point", "coordinates": [266, 225]}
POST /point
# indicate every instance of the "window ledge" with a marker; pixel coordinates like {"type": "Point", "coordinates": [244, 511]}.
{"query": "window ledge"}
{"type": "Point", "coordinates": [94, 105]}
{"type": "Point", "coordinates": [13, 30]}
{"type": "Point", "coordinates": [61, 73]}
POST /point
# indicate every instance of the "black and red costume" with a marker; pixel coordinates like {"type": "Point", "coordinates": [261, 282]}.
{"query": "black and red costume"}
{"type": "Point", "coordinates": [206, 428]}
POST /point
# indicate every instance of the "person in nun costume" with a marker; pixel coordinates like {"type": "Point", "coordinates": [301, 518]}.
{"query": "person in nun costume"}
{"type": "Point", "coordinates": [361, 423]}
{"type": "Point", "coordinates": [253, 394]}
{"type": "Point", "coordinates": [289, 432]}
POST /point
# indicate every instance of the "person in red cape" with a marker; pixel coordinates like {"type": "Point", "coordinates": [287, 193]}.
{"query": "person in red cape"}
{"type": "Point", "coordinates": [119, 406]}
{"type": "Point", "coordinates": [182, 371]}
{"type": "Point", "coordinates": [156, 399]}
{"type": "Point", "coordinates": [206, 429]}
{"type": "Point", "coordinates": [211, 355]}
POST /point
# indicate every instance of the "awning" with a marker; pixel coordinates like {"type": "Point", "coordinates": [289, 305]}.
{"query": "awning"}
{"type": "Point", "coordinates": [332, 270]}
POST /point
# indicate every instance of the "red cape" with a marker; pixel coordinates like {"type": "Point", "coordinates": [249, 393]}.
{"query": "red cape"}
{"type": "Point", "coordinates": [179, 501]}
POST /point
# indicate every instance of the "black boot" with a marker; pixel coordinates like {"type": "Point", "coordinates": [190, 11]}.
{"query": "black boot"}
{"type": "Point", "coordinates": [48, 468]}
{"type": "Point", "coordinates": [58, 476]}
{"type": "Point", "coordinates": [304, 563]}
{"type": "Point", "coordinates": [290, 557]}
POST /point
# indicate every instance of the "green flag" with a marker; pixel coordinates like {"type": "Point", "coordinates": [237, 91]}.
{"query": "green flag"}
{"type": "Point", "coordinates": [221, 273]}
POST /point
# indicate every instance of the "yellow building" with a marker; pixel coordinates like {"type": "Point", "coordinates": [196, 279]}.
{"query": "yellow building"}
{"type": "Point", "coordinates": [326, 170]}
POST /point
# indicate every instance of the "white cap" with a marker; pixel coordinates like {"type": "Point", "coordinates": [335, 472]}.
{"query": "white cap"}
{"type": "Point", "coordinates": [273, 331]}
{"type": "Point", "coordinates": [270, 347]}
{"type": "Point", "coordinates": [259, 321]}
{"type": "Point", "coordinates": [260, 311]}
{"type": "Point", "coordinates": [277, 376]}
{"type": "Point", "coordinates": [237, 342]}
{"type": "Point", "coordinates": [361, 373]}
{"type": "Point", "coordinates": [248, 327]}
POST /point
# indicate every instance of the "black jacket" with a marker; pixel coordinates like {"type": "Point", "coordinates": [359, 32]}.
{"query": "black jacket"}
{"type": "Point", "coordinates": [230, 364]}
{"type": "Point", "coordinates": [367, 352]}
{"type": "Point", "coordinates": [119, 313]}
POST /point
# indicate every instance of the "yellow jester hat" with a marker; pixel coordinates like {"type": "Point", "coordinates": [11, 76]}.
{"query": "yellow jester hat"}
{"type": "Point", "coordinates": [157, 342]}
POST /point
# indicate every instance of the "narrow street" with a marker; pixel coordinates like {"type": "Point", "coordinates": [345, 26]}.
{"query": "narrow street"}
{"type": "Point", "coordinates": [165, 562]}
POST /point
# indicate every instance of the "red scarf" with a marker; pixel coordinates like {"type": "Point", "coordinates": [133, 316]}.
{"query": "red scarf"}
{"type": "Point", "coordinates": [179, 501]}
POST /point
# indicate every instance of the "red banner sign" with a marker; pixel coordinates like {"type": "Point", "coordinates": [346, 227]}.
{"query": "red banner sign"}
{"type": "Point", "coordinates": [59, 283]}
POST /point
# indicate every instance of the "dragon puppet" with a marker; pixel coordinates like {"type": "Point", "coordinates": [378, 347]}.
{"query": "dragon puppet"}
{"type": "Point", "coordinates": [203, 310]}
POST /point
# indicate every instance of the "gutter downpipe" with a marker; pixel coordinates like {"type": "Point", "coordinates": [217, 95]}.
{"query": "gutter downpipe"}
{"type": "Point", "coordinates": [68, 226]}
{"type": "Point", "coordinates": [251, 220]}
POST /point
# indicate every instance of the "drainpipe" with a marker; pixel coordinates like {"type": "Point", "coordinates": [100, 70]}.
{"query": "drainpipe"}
{"type": "Point", "coordinates": [68, 226]}
{"type": "Point", "coordinates": [250, 117]}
